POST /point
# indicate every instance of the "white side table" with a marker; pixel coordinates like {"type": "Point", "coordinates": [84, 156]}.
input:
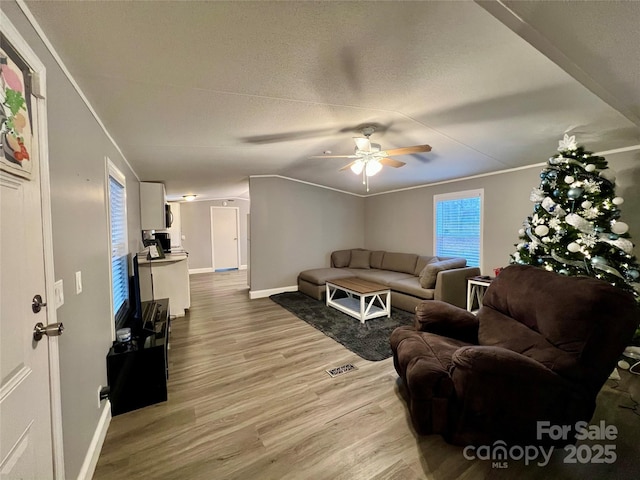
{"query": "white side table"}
{"type": "Point", "coordinates": [476, 286]}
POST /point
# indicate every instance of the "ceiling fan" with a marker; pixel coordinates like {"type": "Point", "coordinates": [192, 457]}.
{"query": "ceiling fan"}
{"type": "Point", "coordinates": [369, 157]}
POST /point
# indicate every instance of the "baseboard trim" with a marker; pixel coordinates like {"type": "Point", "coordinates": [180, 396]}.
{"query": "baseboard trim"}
{"type": "Point", "coordinates": [210, 270]}
{"type": "Point", "coordinates": [95, 447]}
{"type": "Point", "coordinates": [253, 294]}
{"type": "Point", "coordinates": [200, 270]}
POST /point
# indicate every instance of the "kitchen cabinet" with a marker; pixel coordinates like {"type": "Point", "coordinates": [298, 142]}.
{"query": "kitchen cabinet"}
{"type": "Point", "coordinates": [169, 278]}
{"type": "Point", "coordinates": [152, 206]}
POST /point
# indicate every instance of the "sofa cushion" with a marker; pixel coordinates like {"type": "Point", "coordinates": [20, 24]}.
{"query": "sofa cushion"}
{"type": "Point", "coordinates": [360, 259]}
{"type": "Point", "coordinates": [383, 277]}
{"type": "Point", "coordinates": [340, 258]}
{"type": "Point", "coordinates": [376, 259]}
{"type": "Point", "coordinates": [411, 286]}
{"type": "Point", "coordinates": [399, 262]}
{"type": "Point", "coordinates": [430, 271]}
{"type": "Point", "coordinates": [422, 262]}
{"type": "Point", "coordinates": [320, 276]}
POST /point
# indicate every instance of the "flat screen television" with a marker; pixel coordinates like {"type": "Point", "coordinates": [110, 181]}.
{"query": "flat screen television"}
{"type": "Point", "coordinates": [135, 290]}
{"type": "Point", "coordinates": [142, 291]}
{"type": "Point", "coordinates": [141, 297]}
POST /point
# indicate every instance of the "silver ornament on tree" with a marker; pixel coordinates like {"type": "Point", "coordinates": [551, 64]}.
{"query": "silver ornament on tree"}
{"type": "Point", "coordinates": [619, 228]}
{"type": "Point", "coordinates": [599, 261]}
{"type": "Point", "coordinates": [541, 230]}
{"type": "Point", "coordinates": [573, 247]}
{"type": "Point", "coordinates": [575, 193]}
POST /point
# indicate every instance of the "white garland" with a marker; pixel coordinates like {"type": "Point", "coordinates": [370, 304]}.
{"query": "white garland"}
{"type": "Point", "coordinates": [622, 243]}
{"type": "Point", "coordinates": [552, 207]}
{"type": "Point", "coordinates": [580, 223]}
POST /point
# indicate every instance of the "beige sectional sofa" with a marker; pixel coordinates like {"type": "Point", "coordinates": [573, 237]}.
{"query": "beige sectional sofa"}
{"type": "Point", "coordinates": [411, 278]}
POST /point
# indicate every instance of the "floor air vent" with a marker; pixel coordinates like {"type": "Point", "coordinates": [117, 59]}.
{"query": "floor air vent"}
{"type": "Point", "coordinates": [341, 370]}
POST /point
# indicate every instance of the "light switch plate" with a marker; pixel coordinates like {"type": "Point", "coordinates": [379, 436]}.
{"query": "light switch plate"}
{"type": "Point", "coordinates": [58, 291]}
{"type": "Point", "coordinates": [78, 283]}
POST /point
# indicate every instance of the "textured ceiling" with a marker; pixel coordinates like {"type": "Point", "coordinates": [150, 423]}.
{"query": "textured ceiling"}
{"type": "Point", "coordinates": [201, 95]}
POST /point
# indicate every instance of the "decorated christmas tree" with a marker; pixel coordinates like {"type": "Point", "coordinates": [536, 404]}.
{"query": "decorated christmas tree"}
{"type": "Point", "coordinates": [575, 228]}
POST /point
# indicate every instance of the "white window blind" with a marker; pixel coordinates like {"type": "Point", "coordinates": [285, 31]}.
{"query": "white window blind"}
{"type": "Point", "coordinates": [458, 225]}
{"type": "Point", "coordinates": [118, 217]}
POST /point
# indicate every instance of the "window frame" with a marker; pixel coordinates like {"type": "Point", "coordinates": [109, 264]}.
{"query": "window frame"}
{"type": "Point", "coordinates": [460, 195]}
{"type": "Point", "coordinates": [118, 316]}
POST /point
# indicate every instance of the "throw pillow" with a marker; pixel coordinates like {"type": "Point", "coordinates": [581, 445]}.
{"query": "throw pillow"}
{"type": "Point", "coordinates": [376, 259]}
{"type": "Point", "coordinates": [340, 258]}
{"type": "Point", "coordinates": [423, 260]}
{"type": "Point", "coordinates": [360, 259]}
{"type": "Point", "coordinates": [430, 271]}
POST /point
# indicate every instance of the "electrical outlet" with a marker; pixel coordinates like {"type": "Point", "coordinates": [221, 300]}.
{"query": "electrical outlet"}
{"type": "Point", "coordinates": [103, 394]}
{"type": "Point", "coordinates": [58, 293]}
{"type": "Point", "coordinates": [78, 283]}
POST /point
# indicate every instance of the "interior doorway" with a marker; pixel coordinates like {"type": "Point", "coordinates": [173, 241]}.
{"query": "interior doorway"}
{"type": "Point", "coordinates": [225, 234]}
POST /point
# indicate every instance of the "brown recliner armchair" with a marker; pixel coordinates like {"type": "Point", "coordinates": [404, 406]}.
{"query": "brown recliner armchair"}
{"type": "Point", "coordinates": [539, 349]}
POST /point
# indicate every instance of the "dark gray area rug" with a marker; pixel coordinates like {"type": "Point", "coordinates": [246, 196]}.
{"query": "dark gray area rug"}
{"type": "Point", "coordinates": [369, 340]}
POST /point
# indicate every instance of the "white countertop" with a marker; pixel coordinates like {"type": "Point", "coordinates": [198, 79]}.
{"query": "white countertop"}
{"type": "Point", "coordinates": [168, 257]}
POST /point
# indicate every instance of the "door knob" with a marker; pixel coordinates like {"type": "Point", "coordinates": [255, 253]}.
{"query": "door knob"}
{"type": "Point", "coordinates": [52, 330]}
{"type": "Point", "coordinates": [37, 304]}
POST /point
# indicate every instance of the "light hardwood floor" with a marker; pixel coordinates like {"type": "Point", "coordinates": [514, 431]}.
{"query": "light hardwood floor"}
{"type": "Point", "coordinates": [249, 398]}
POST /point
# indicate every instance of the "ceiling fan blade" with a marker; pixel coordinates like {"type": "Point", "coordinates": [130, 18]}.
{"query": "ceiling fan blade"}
{"type": "Point", "coordinates": [391, 162]}
{"type": "Point", "coordinates": [363, 144]}
{"type": "Point", "coordinates": [287, 136]}
{"type": "Point", "coordinates": [407, 150]}
{"type": "Point", "coordinates": [334, 156]}
{"type": "Point", "coordinates": [347, 166]}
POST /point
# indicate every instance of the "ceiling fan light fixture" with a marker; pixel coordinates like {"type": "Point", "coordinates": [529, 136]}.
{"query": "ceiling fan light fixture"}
{"type": "Point", "coordinates": [373, 167]}
{"type": "Point", "coordinates": [357, 167]}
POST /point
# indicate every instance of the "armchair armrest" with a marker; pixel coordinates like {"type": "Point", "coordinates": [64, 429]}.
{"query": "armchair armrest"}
{"type": "Point", "coordinates": [447, 320]}
{"type": "Point", "coordinates": [498, 361]}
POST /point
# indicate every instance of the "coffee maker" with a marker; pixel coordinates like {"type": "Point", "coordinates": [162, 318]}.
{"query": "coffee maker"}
{"type": "Point", "coordinates": [164, 239]}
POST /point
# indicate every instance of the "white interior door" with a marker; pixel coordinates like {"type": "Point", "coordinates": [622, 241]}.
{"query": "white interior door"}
{"type": "Point", "coordinates": [26, 429]}
{"type": "Point", "coordinates": [225, 250]}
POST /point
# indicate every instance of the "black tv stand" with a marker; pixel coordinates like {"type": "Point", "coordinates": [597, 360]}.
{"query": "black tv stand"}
{"type": "Point", "coordinates": [137, 371]}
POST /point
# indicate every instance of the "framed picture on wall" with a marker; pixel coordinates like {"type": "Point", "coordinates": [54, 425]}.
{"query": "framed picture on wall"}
{"type": "Point", "coordinates": [16, 133]}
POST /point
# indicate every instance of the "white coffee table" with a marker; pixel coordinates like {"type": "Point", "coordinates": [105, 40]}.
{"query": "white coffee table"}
{"type": "Point", "coordinates": [365, 300]}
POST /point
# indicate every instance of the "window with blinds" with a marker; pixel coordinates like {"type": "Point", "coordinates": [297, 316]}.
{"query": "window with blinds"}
{"type": "Point", "coordinates": [119, 262]}
{"type": "Point", "coordinates": [458, 225]}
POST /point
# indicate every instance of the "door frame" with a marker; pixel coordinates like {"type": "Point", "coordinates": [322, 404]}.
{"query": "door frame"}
{"type": "Point", "coordinates": [213, 258]}
{"type": "Point", "coordinates": [39, 91]}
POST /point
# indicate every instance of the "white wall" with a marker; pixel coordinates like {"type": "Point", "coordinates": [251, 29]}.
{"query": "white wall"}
{"type": "Point", "coordinates": [77, 150]}
{"type": "Point", "coordinates": [195, 220]}
{"type": "Point", "coordinates": [295, 226]}
{"type": "Point", "coordinates": [403, 221]}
